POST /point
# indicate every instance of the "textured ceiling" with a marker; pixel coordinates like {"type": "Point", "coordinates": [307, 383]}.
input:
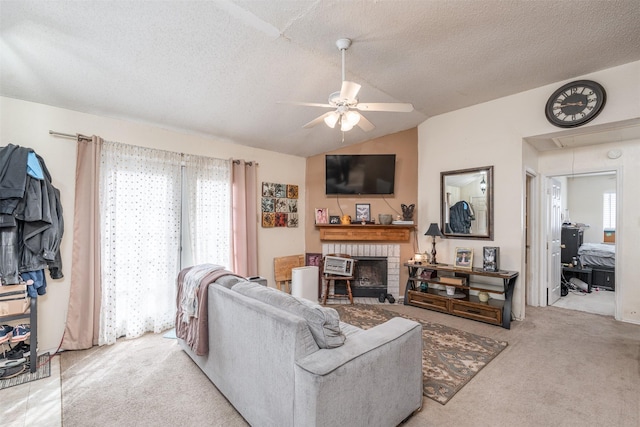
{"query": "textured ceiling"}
{"type": "Point", "coordinates": [219, 68]}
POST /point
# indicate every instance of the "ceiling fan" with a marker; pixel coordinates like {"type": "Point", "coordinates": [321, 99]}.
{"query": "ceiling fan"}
{"type": "Point", "coordinates": [345, 103]}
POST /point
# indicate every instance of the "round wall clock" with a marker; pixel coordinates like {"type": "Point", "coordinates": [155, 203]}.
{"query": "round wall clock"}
{"type": "Point", "coordinates": [575, 103]}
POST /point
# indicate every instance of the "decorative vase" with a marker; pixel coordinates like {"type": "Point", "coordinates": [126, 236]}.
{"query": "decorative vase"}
{"type": "Point", "coordinates": [385, 219]}
{"type": "Point", "coordinates": [483, 296]}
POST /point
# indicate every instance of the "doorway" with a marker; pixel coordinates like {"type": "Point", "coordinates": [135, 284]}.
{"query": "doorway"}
{"type": "Point", "coordinates": [586, 267]}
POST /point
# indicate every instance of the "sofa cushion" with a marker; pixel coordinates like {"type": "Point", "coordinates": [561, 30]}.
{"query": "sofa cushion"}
{"type": "Point", "coordinates": [323, 322]}
{"type": "Point", "coordinates": [229, 280]}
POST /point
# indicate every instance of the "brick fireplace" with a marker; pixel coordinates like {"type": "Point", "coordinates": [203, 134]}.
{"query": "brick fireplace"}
{"type": "Point", "coordinates": [369, 254]}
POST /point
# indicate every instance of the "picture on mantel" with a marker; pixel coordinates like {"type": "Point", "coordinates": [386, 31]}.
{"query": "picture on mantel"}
{"type": "Point", "coordinates": [279, 205]}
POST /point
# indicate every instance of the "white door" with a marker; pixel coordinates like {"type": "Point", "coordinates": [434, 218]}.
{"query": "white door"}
{"type": "Point", "coordinates": [554, 229]}
{"type": "Point", "coordinates": [479, 224]}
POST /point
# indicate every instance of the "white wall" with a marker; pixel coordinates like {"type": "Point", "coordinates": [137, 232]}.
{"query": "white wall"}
{"type": "Point", "coordinates": [492, 134]}
{"type": "Point", "coordinates": [585, 202]}
{"type": "Point", "coordinates": [28, 124]}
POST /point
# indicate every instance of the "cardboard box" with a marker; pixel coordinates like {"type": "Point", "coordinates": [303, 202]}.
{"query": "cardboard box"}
{"type": "Point", "coordinates": [13, 300]}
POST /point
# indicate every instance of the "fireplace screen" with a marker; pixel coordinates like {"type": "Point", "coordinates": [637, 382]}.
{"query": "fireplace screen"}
{"type": "Point", "coordinates": [370, 277]}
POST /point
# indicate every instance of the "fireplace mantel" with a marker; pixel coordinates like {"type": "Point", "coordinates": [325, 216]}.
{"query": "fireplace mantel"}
{"type": "Point", "coordinates": [366, 233]}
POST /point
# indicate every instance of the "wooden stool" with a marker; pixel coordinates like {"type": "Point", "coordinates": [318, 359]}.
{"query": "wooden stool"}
{"type": "Point", "coordinates": [328, 279]}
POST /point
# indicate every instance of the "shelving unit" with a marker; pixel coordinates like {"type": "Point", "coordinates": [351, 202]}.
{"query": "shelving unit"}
{"type": "Point", "coordinates": [495, 311]}
{"type": "Point", "coordinates": [32, 315]}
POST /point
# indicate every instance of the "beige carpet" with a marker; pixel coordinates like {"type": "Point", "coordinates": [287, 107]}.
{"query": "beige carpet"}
{"type": "Point", "coordinates": [148, 381]}
{"type": "Point", "coordinates": [450, 357]}
{"type": "Point", "coordinates": [561, 368]}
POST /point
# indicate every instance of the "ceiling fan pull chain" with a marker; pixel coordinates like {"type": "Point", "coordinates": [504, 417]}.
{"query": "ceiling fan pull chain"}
{"type": "Point", "coordinates": [344, 68]}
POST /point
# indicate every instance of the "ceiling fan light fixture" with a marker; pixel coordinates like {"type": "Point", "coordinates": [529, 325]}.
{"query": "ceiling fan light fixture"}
{"type": "Point", "coordinates": [332, 119]}
{"type": "Point", "coordinates": [346, 100]}
{"type": "Point", "coordinates": [352, 117]}
{"type": "Point", "coordinates": [345, 125]}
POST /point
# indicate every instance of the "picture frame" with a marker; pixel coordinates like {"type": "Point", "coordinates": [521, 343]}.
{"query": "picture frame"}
{"type": "Point", "coordinates": [334, 219]}
{"type": "Point", "coordinates": [363, 212]}
{"type": "Point", "coordinates": [464, 258]}
{"type": "Point", "coordinates": [322, 216]}
{"type": "Point", "coordinates": [313, 259]}
{"type": "Point", "coordinates": [491, 258]}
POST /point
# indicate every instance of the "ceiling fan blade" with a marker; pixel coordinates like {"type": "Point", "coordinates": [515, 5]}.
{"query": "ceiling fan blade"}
{"type": "Point", "coordinates": [317, 120]}
{"type": "Point", "coordinates": [349, 90]}
{"type": "Point", "coordinates": [397, 107]}
{"type": "Point", "coordinates": [306, 104]}
{"type": "Point", "coordinates": [365, 124]}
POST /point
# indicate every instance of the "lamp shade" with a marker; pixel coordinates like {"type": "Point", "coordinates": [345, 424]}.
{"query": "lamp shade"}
{"type": "Point", "coordinates": [345, 125]}
{"type": "Point", "coordinates": [332, 119]}
{"type": "Point", "coordinates": [352, 117]}
{"type": "Point", "coordinates": [433, 230]}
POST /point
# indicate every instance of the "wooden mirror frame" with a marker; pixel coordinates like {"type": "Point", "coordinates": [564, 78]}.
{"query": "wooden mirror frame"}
{"type": "Point", "coordinates": [471, 176]}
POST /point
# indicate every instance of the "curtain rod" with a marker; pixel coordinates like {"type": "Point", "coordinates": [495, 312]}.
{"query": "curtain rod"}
{"type": "Point", "coordinates": [249, 163]}
{"type": "Point", "coordinates": [68, 135]}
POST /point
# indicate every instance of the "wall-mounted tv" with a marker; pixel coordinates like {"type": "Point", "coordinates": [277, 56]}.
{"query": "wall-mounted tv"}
{"type": "Point", "coordinates": [360, 173]}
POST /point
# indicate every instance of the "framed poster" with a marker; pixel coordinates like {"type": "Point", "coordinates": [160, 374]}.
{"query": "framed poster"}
{"type": "Point", "coordinates": [464, 258]}
{"type": "Point", "coordinates": [490, 258]}
{"type": "Point", "coordinates": [363, 212]}
{"type": "Point", "coordinates": [322, 216]}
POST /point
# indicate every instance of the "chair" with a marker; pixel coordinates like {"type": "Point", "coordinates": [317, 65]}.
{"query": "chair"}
{"type": "Point", "coordinates": [329, 279]}
{"type": "Point", "coordinates": [282, 267]}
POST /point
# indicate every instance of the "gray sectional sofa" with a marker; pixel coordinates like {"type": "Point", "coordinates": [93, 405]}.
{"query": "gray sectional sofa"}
{"type": "Point", "coordinates": [284, 361]}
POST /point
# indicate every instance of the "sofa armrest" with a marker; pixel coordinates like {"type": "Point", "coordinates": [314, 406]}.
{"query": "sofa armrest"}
{"type": "Point", "coordinates": [375, 378]}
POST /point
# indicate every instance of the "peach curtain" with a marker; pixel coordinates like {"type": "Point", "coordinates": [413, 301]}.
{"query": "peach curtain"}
{"type": "Point", "coordinates": [244, 218]}
{"type": "Point", "coordinates": [83, 316]}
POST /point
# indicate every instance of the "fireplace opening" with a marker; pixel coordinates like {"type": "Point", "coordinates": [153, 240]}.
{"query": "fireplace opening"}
{"type": "Point", "coordinates": [370, 277]}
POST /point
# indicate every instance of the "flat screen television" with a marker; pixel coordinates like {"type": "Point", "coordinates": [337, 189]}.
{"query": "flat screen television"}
{"type": "Point", "coordinates": [360, 173]}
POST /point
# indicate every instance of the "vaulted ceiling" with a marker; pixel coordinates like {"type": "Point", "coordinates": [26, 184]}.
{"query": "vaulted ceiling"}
{"type": "Point", "coordinates": [219, 68]}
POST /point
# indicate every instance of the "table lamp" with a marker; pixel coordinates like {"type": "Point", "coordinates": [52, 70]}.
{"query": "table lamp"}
{"type": "Point", "coordinates": [433, 231]}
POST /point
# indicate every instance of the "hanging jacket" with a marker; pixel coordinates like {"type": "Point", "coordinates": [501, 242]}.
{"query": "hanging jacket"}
{"type": "Point", "coordinates": [13, 175]}
{"type": "Point", "coordinates": [460, 217]}
{"type": "Point", "coordinates": [33, 243]}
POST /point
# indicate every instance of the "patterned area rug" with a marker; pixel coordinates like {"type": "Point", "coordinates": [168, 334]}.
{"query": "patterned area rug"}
{"type": "Point", "coordinates": [450, 357]}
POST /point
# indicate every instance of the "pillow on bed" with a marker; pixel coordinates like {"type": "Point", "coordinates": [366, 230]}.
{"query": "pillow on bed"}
{"type": "Point", "coordinates": [323, 322]}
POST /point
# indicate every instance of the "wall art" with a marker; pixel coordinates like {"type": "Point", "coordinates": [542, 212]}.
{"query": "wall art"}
{"type": "Point", "coordinates": [279, 205]}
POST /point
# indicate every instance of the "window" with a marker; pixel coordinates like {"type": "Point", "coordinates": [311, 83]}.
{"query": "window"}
{"type": "Point", "coordinates": [609, 211]}
{"type": "Point", "coordinates": [144, 194]}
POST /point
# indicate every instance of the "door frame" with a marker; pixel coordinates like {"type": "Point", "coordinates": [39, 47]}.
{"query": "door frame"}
{"type": "Point", "coordinates": [544, 216]}
{"type": "Point", "coordinates": [531, 235]}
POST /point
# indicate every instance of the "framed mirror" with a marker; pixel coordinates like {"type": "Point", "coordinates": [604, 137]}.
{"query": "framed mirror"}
{"type": "Point", "coordinates": [466, 200]}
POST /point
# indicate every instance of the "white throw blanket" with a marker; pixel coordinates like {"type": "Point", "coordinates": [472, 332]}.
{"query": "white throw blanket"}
{"type": "Point", "coordinates": [189, 302]}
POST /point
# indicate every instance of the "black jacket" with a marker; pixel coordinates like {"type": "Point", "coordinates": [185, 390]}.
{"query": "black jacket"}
{"type": "Point", "coordinates": [30, 238]}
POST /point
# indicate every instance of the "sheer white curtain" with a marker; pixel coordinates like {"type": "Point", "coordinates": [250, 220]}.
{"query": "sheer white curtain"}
{"type": "Point", "coordinates": [208, 197]}
{"type": "Point", "coordinates": [140, 192]}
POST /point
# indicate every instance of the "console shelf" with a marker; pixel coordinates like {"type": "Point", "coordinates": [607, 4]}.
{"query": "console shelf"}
{"type": "Point", "coordinates": [494, 311]}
